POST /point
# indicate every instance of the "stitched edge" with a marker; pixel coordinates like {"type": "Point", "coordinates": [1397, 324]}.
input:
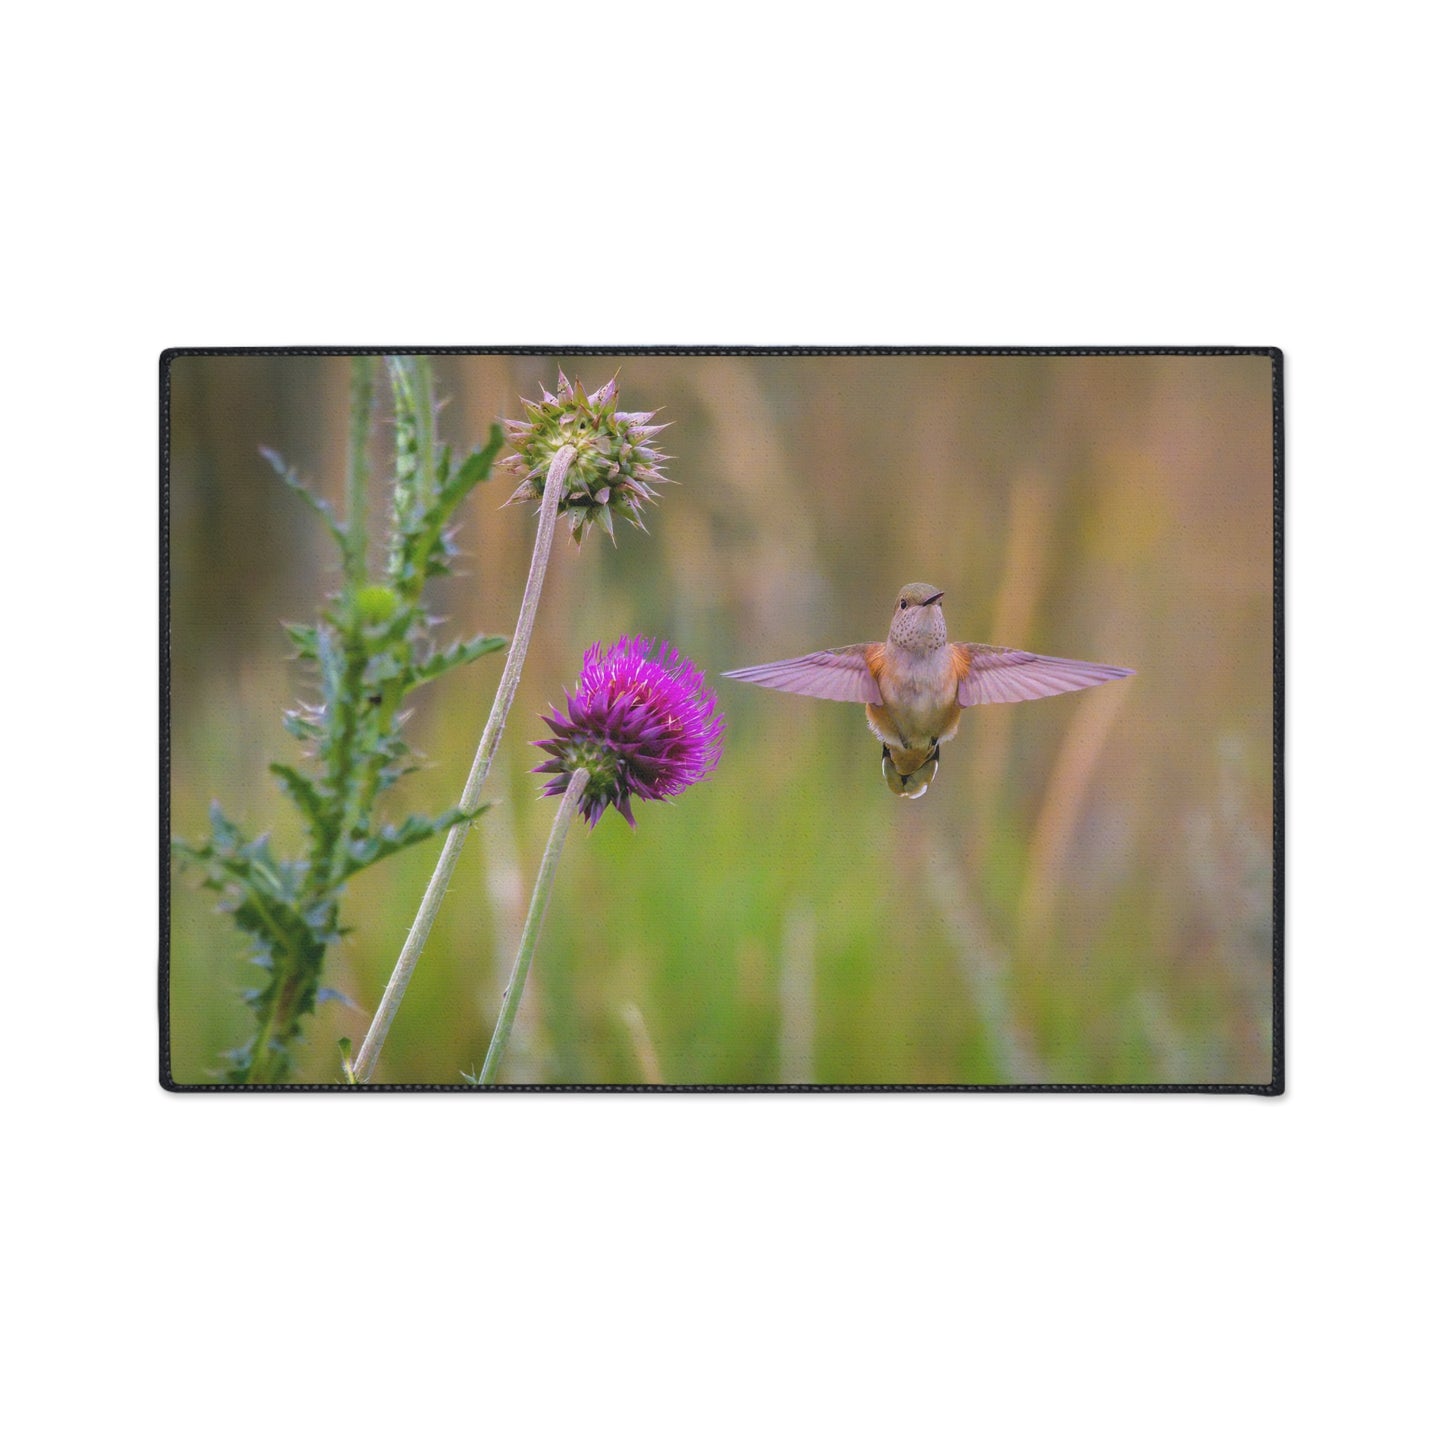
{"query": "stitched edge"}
{"type": "Point", "coordinates": [1274, 1088]}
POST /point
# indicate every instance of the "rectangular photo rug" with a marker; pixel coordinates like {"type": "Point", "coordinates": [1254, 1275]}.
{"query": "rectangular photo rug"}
{"type": "Point", "coordinates": [722, 719]}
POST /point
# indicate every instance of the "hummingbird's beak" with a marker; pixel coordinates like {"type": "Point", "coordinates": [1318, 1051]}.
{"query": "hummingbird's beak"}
{"type": "Point", "coordinates": [937, 597]}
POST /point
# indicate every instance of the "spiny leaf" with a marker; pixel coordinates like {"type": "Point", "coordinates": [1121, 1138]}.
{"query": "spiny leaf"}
{"type": "Point", "coordinates": [333, 666]}
{"type": "Point", "coordinates": [279, 927]}
{"type": "Point", "coordinates": [477, 467]}
{"type": "Point", "coordinates": [226, 834]}
{"type": "Point", "coordinates": [392, 839]}
{"type": "Point", "coordinates": [380, 668]}
{"type": "Point", "coordinates": [319, 505]}
{"type": "Point", "coordinates": [303, 638]}
{"type": "Point", "coordinates": [301, 724]}
{"type": "Point", "coordinates": [457, 655]}
{"type": "Point", "coordinates": [303, 792]}
{"type": "Point", "coordinates": [421, 544]}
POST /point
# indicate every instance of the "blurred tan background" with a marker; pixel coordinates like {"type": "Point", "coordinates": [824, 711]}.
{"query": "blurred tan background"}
{"type": "Point", "coordinates": [1083, 896]}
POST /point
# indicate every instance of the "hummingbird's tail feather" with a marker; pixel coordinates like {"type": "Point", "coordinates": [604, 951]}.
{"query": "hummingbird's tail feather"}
{"type": "Point", "coordinates": [909, 785]}
{"type": "Point", "coordinates": [915, 785]}
{"type": "Point", "coordinates": [891, 775]}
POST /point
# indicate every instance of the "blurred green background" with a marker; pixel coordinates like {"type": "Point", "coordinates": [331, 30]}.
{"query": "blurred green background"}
{"type": "Point", "coordinates": [1082, 897]}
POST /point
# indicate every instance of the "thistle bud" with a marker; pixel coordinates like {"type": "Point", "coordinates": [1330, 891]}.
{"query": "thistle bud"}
{"type": "Point", "coordinates": [616, 466]}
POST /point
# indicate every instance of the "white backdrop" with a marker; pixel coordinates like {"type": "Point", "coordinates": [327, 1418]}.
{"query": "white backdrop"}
{"type": "Point", "coordinates": [699, 1269]}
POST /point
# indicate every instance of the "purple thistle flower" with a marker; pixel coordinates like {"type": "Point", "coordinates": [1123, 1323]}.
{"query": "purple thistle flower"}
{"type": "Point", "coordinates": [642, 722]}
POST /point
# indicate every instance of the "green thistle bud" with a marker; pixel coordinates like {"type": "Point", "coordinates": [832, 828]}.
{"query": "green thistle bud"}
{"type": "Point", "coordinates": [616, 465]}
{"type": "Point", "coordinates": [375, 604]}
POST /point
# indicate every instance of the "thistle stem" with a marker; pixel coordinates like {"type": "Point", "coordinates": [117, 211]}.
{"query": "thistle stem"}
{"type": "Point", "coordinates": [354, 544]}
{"type": "Point", "coordinates": [532, 928]}
{"type": "Point", "coordinates": [431, 901]}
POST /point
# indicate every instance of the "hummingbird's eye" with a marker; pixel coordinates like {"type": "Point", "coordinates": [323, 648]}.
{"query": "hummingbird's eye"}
{"type": "Point", "coordinates": [903, 602]}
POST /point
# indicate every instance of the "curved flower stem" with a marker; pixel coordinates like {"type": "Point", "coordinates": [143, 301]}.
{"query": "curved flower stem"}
{"type": "Point", "coordinates": [431, 902]}
{"type": "Point", "coordinates": [532, 928]}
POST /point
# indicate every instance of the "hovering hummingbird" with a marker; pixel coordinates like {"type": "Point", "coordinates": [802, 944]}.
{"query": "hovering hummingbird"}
{"type": "Point", "coordinates": [915, 686]}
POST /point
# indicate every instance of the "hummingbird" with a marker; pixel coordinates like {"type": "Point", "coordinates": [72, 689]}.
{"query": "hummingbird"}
{"type": "Point", "coordinates": [915, 686]}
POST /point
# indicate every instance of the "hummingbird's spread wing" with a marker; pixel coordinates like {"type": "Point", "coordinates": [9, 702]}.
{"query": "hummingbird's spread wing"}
{"type": "Point", "coordinates": [1002, 674]}
{"type": "Point", "coordinates": [846, 674]}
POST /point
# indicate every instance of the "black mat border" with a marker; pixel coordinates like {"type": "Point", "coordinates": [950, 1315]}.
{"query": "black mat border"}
{"type": "Point", "coordinates": [1274, 1088]}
